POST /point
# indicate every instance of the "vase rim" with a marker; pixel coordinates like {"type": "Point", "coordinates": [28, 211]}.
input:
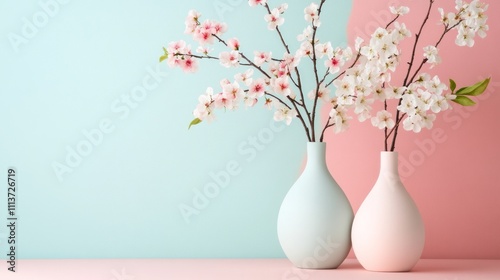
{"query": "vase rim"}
{"type": "Point", "coordinates": [316, 143]}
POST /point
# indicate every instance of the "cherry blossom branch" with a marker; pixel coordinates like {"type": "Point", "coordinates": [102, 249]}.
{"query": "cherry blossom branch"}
{"type": "Point", "coordinates": [299, 115]}
{"type": "Point", "coordinates": [392, 21]}
{"type": "Point", "coordinates": [291, 79]}
{"type": "Point", "coordinates": [410, 65]}
{"type": "Point", "coordinates": [299, 82]}
{"type": "Point", "coordinates": [245, 58]}
{"type": "Point", "coordinates": [301, 118]}
{"type": "Point", "coordinates": [278, 29]}
{"type": "Point", "coordinates": [446, 30]}
{"type": "Point", "coordinates": [394, 129]}
{"type": "Point", "coordinates": [277, 98]}
{"type": "Point", "coordinates": [299, 85]}
{"type": "Point", "coordinates": [327, 125]}
{"type": "Point", "coordinates": [206, 57]}
{"type": "Point", "coordinates": [315, 65]}
{"type": "Point", "coordinates": [324, 77]}
{"type": "Point", "coordinates": [417, 37]}
{"type": "Point", "coordinates": [385, 129]}
{"type": "Point", "coordinates": [343, 72]}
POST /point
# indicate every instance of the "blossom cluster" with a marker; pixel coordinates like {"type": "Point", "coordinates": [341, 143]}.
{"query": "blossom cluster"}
{"type": "Point", "coordinates": [275, 74]}
{"type": "Point", "coordinates": [354, 77]}
{"type": "Point", "coordinates": [421, 96]}
{"type": "Point", "coordinates": [470, 18]}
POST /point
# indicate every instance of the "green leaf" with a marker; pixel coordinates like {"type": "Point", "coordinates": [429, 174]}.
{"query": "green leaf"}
{"type": "Point", "coordinates": [194, 122]}
{"type": "Point", "coordinates": [476, 89]}
{"type": "Point", "coordinates": [464, 100]}
{"type": "Point", "coordinates": [453, 85]}
{"type": "Point", "coordinates": [165, 55]}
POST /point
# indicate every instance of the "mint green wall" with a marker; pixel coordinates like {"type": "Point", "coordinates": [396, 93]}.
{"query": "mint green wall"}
{"type": "Point", "coordinates": [74, 73]}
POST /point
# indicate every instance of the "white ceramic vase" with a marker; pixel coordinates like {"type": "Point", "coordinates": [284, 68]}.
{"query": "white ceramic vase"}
{"type": "Point", "coordinates": [315, 218]}
{"type": "Point", "coordinates": [388, 231]}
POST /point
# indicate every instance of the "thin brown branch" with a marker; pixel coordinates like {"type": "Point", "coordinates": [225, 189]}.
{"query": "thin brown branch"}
{"type": "Point", "coordinates": [315, 65]}
{"type": "Point", "coordinates": [410, 65]}
{"type": "Point", "coordinates": [327, 125]}
{"type": "Point", "coordinates": [298, 84]}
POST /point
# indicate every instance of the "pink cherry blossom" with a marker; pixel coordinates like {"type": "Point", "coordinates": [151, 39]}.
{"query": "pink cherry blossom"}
{"type": "Point", "coordinates": [325, 49]}
{"type": "Point", "coordinates": [219, 28]}
{"type": "Point", "coordinates": [323, 94]}
{"type": "Point", "coordinates": [333, 64]}
{"type": "Point", "coordinates": [256, 88]}
{"type": "Point", "coordinates": [289, 62]}
{"type": "Point", "coordinates": [245, 77]}
{"type": "Point", "coordinates": [249, 101]}
{"type": "Point", "coordinates": [254, 3]}
{"type": "Point", "coordinates": [269, 104]}
{"type": "Point", "coordinates": [222, 100]}
{"type": "Point", "coordinates": [306, 34]}
{"type": "Point", "coordinates": [305, 49]}
{"type": "Point", "coordinates": [283, 7]}
{"type": "Point", "coordinates": [204, 110]}
{"type": "Point", "coordinates": [234, 44]}
{"type": "Point", "coordinates": [261, 57]}
{"type": "Point", "coordinates": [229, 59]}
{"type": "Point", "coordinates": [274, 68]}
{"type": "Point", "coordinates": [203, 50]}
{"type": "Point", "coordinates": [208, 25]}
{"type": "Point", "coordinates": [232, 89]}
{"type": "Point", "coordinates": [311, 14]}
{"type": "Point", "coordinates": [224, 82]}
{"type": "Point", "coordinates": [203, 35]}
{"type": "Point", "coordinates": [274, 19]}
{"type": "Point", "coordinates": [189, 65]}
{"type": "Point", "coordinates": [176, 51]}
{"type": "Point", "coordinates": [192, 21]}
{"type": "Point", "coordinates": [282, 86]}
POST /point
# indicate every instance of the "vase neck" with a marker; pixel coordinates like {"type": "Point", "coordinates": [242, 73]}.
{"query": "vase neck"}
{"type": "Point", "coordinates": [316, 154]}
{"type": "Point", "coordinates": [389, 162]}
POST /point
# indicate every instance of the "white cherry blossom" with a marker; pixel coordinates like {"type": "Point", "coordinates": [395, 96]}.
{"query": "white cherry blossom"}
{"type": "Point", "coordinates": [401, 10]}
{"type": "Point", "coordinates": [285, 114]}
{"type": "Point", "coordinates": [383, 119]}
{"type": "Point", "coordinates": [432, 56]}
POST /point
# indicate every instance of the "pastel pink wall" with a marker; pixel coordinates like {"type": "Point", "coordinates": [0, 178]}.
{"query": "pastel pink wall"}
{"type": "Point", "coordinates": [452, 171]}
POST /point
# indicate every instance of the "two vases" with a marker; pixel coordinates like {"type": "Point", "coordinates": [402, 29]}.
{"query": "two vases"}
{"type": "Point", "coordinates": [316, 223]}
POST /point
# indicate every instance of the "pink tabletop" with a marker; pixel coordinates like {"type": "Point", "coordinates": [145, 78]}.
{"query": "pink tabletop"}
{"type": "Point", "coordinates": [237, 269]}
